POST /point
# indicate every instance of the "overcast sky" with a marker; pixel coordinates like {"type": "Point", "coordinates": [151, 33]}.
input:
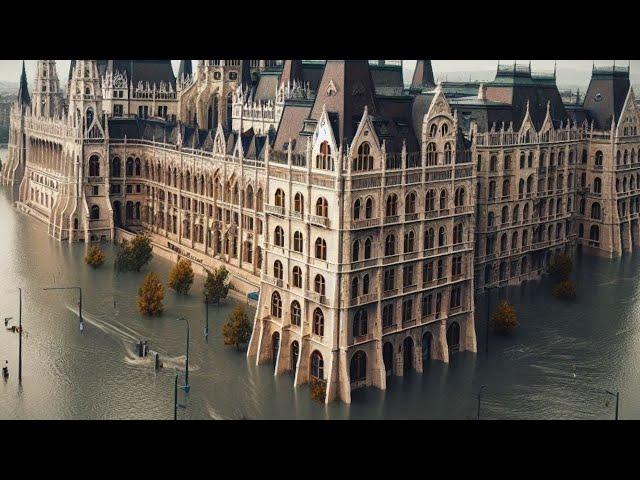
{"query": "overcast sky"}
{"type": "Point", "coordinates": [10, 69]}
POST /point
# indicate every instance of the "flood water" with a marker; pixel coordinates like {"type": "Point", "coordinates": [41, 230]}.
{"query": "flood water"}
{"type": "Point", "coordinates": [556, 365]}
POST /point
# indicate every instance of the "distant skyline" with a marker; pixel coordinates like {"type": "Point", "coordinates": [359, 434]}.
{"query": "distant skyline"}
{"type": "Point", "coordinates": [569, 71]}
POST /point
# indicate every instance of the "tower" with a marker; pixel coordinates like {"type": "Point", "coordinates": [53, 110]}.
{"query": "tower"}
{"type": "Point", "coordinates": [85, 93]}
{"type": "Point", "coordinates": [47, 98]}
{"type": "Point", "coordinates": [423, 75]}
{"type": "Point", "coordinates": [24, 100]}
{"type": "Point", "coordinates": [185, 69]}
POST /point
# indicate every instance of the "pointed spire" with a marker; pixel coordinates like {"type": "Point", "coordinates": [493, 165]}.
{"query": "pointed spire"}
{"type": "Point", "coordinates": [185, 69]}
{"type": "Point", "coordinates": [555, 68]}
{"type": "Point", "coordinates": [23, 92]}
{"type": "Point", "coordinates": [423, 75]}
{"type": "Point", "coordinates": [246, 80]}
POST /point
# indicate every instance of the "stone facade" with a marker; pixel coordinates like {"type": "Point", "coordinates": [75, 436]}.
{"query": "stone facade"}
{"type": "Point", "coordinates": [367, 217]}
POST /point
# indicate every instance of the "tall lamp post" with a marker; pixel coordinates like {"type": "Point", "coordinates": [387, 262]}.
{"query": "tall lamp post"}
{"type": "Point", "coordinates": [175, 400]}
{"type": "Point", "coordinates": [79, 304]}
{"type": "Point", "coordinates": [186, 386]}
{"type": "Point", "coordinates": [479, 397]}
{"type": "Point", "coordinates": [617, 395]}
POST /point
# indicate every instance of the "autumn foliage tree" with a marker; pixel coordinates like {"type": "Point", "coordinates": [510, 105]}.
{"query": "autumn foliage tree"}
{"type": "Point", "coordinates": [238, 329]}
{"type": "Point", "coordinates": [560, 268]}
{"type": "Point", "coordinates": [504, 318]}
{"type": "Point", "coordinates": [318, 390]}
{"type": "Point", "coordinates": [94, 257]}
{"type": "Point", "coordinates": [134, 254]}
{"type": "Point", "coordinates": [216, 286]}
{"type": "Point", "coordinates": [565, 290]}
{"type": "Point", "coordinates": [181, 276]}
{"type": "Point", "coordinates": [150, 295]}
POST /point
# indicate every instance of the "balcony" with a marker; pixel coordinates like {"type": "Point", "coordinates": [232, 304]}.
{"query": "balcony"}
{"type": "Point", "coordinates": [274, 209]}
{"type": "Point", "coordinates": [318, 220]}
{"type": "Point", "coordinates": [276, 282]}
{"type": "Point", "coordinates": [391, 219]}
{"type": "Point", "coordinates": [317, 297]}
{"type": "Point", "coordinates": [366, 223]}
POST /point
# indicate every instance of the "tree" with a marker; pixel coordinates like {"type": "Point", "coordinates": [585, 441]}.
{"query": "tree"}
{"type": "Point", "coordinates": [560, 267]}
{"type": "Point", "coordinates": [318, 389]}
{"type": "Point", "coordinates": [216, 286]}
{"type": "Point", "coordinates": [134, 254]}
{"type": "Point", "coordinates": [95, 256]}
{"type": "Point", "coordinates": [565, 290]}
{"type": "Point", "coordinates": [504, 319]}
{"type": "Point", "coordinates": [238, 329]}
{"type": "Point", "coordinates": [181, 276]}
{"type": "Point", "coordinates": [150, 295]}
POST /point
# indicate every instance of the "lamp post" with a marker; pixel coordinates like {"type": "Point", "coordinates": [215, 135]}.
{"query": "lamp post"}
{"type": "Point", "coordinates": [479, 397]}
{"type": "Point", "coordinates": [186, 386]}
{"type": "Point", "coordinates": [79, 303]}
{"type": "Point", "coordinates": [617, 395]}
{"type": "Point", "coordinates": [175, 400]}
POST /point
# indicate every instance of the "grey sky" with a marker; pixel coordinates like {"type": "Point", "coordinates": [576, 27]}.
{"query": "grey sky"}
{"type": "Point", "coordinates": [569, 71]}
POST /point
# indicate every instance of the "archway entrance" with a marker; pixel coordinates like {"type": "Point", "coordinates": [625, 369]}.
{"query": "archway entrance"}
{"type": "Point", "coordinates": [295, 353]}
{"type": "Point", "coordinates": [117, 214]}
{"type": "Point", "coordinates": [453, 338]}
{"type": "Point", "coordinates": [358, 369]}
{"type": "Point", "coordinates": [427, 339]}
{"type": "Point", "coordinates": [407, 349]}
{"type": "Point", "coordinates": [275, 346]}
{"type": "Point", "coordinates": [387, 357]}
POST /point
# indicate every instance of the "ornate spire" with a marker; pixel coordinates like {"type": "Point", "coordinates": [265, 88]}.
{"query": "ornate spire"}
{"type": "Point", "coordinates": [423, 75]}
{"type": "Point", "coordinates": [23, 92]}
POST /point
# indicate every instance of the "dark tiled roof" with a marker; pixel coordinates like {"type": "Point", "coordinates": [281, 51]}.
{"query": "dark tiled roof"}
{"type": "Point", "coordinates": [606, 94]}
{"type": "Point", "coordinates": [152, 71]}
{"type": "Point", "coordinates": [23, 91]}
{"type": "Point", "coordinates": [186, 68]}
{"type": "Point", "coordinates": [387, 79]}
{"type": "Point", "coordinates": [423, 75]}
{"type": "Point", "coordinates": [293, 116]}
{"type": "Point", "coordinates": [292, 71]}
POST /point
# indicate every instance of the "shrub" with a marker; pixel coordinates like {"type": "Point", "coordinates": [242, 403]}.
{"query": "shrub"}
{"type": "Point", "coordinates": [565, 290]}
{"type": "Point", "coordinates": [238, 329]}
{"type": "Point", "coordinates": [150, 295]}
{"type": "Point", "coordinates": [504, 318]}
{"type": "Point", "coordinates": [560, 267]}
{"type": "Point", "coordinates": [181, 276]}
{"type": "Point", "coordinates": [216, 286]}
{"type": "Point", "coordinates": [134, 254]}
{"type": "Point", "coordinates": [318, 390]}
{"type": "Point", "coordinates": [94, 257]}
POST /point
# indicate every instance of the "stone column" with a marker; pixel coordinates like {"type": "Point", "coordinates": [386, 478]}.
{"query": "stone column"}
{"type": "Point", "coordinates": [440, 347]}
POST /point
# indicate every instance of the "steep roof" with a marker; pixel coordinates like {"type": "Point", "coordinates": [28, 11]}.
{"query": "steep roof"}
{"type": "Point", "coordinates": [423, 75]}
{"type": "Point", "coordinates": [152, 71]}
{"type": "Point", "coordinates": [606, 94]}
{"type": "Point", "coordinates": [186, 68]}
{"type": "Point", "coordinates": [23, 91]}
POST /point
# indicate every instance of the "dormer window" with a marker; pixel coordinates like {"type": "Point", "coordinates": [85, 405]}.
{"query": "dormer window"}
{"type": "Point", "coordinates": [324, 161]}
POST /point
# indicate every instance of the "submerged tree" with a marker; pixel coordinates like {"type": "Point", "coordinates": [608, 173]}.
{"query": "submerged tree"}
{"type": "Point", "coordinates": [560, 267]}
{"type": "Point", "coordinates": [318, 390]}
{"type": "Point", "coordinates": [238, 329]}
{"type": "Point", "coordinates": [181, 276]}
{"type": "Point", "coordinates": [504, 318]}
{"type": "Point", "coordinates": [216, 286]}
{"type": "Point", "coordinates": [565, 290]}
{"type": "Point", "coordinates": [134, 254]}
{"type": "Point", "coordinates": [94, 257]}
{"type": "Point", "coordinates": [150, 295]}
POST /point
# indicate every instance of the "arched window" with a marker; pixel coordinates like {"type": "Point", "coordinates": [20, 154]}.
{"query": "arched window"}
{"type": "Point", "coordinates": [296, 313]}
{"type": "Point", "coordinates": [367, 249]}
{"type": "Point", "coordinates": [356, 210]}
{"type": "Point", "coordinates": [433, 130]}
{"type": "Point", "coordinates": [409, 240]}
{"type": "Point", "coordinates": [443, 199]}
{"type": "Point", "coordinates": [129, 167]}
{"type": "Point", "coordinates": [95, 212]}
{"type": "Point", "coordinates": [459, 197]}
{"type": "Point", "coordinates": [447, 153]}
{"type": "Point", "coordinates": [430, 201]}
{"type": "Point", "coordinates": [322, 207]}
{"type": "Point", "coordinates": [94, 166]}
{"type": "Point", "coordinates": [355, 251]}
{"type": "Point", "coordinates": [298, 202]}
{"type": "Point", "coordinates": [599, 157]}
{"type": "Point", "coordinates": [365, 284]}
{"type": "Point", "coordinates": [392, 205]}
{"type": "Point", "coordinates": [324, 161]}
{"type": "Point", "coordinates": [432, 155]}
{"type": "Point", "coordinates": [457, 233]}
{"type": "Point", "coordinates": [137, 163]}
{"type": "Point", "coordinates": [442, 237]}
{"type": "Point", "coordinates": [410, 203]}
{"type": "Point", "coordinates": [521, 188]}
{"type": "Point", "coordinates": [358, 367]}
{"type": "Point", "coordinates": [364, 159]}
{"type": "Point", "coordinates": [297, 242]}
{"type": "Point", "coordinates": [277, 269]}
{"type": "Point", "coordinates": [115, 167]}
{"type": "Point", "coordinates": [368, 209]}
{"type": "Point", "coordinates": [594, 233]}
{"type": "Point", "coordinates": [493, 163]}
{"type": "Point", "coordinates": [297, 277]}
{"type": "Point", "coordinates": [319, 285]}
{"type": "Point", "coordinates": [429, 236]}
{"type": "Point", "coordinates": [276, 305]}
{"type": "Point", "coordinates": [354, 288]}
{"type": "Point", "coordinates": [504, 217]}
{"type": "Point", "coordinates": [360, 322]}
{"type": "Point", "coordinates": [390, 245]}
{"type": "Point", "coordinates": [596, 211]}
{"type": "Point", "coordinates": [317, 365]}
{"type": "Point", "coordinates": [279, 200]}
{"type": "Point", "coordinates": [516, 214]}
{"type": "Point", "coordinates": [279, 236]}
{"type": "Point", "coordinates": [444, 129]}
{"type": "Point", "coordinates": [321, 249]}
{"type": "Point", "coordinates": [318, 322]}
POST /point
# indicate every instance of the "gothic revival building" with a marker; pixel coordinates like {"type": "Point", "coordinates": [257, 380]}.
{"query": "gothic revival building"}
{"type": "Point", "coordinates": [365, 213]}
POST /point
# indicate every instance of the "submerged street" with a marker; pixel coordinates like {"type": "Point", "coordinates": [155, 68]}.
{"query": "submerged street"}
{"type": "Point", "coordinates": [556, 365]}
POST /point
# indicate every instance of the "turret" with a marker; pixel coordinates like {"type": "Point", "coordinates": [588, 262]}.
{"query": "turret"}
{"type": "Point", "coordinates": [24, 100]}
{"type": "Point", "coordinates": [85, 93]}
{"type": "Point", "coordinates": [47, 98]}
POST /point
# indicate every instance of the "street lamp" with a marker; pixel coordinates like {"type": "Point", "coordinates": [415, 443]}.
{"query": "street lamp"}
{"type": "Point", "coordinates": [79, 304]}
{"type": "Point", "coordinates": [617, 395]}
{"type": "Point", "coordinates": [479, 396]}
{"type": "Point", "coordinates": [186, 386]}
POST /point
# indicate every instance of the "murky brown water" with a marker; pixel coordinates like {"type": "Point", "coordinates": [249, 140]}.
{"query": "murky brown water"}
{"type": "Point", "coordinates": [556, 365]}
